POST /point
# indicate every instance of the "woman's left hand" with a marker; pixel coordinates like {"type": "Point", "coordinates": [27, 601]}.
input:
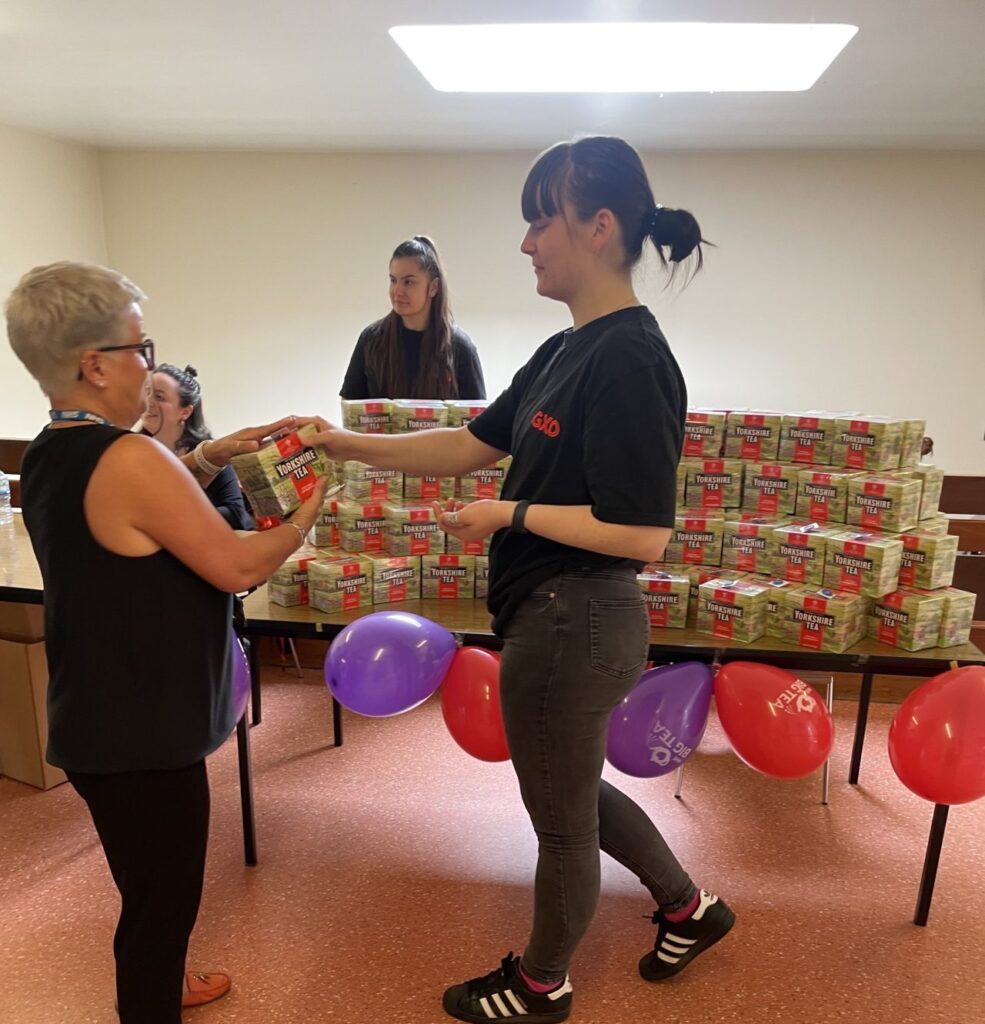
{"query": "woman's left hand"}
{"type": "Point", "coordinates": [220, 450]}
{"type": "Point", "coordinates": [475, 520]}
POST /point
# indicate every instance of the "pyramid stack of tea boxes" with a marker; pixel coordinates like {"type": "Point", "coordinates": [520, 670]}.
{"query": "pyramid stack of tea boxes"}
{"type": "Point", "coordinates": [378, 541]}
{"type": "Point", "coordinates": [818, 528]}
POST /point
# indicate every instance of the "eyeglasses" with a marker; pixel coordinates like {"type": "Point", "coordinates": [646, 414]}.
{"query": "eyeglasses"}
{"type": "Point", "coordinates": [145, 348]}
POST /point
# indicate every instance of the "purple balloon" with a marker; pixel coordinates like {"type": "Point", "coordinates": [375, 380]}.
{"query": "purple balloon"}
{"type": "Point", "coordinates": [241, 677]}
{"type": "Point", "coordinates": [386, 663]}
{"type": "Point", "coordinates": [660, 722]}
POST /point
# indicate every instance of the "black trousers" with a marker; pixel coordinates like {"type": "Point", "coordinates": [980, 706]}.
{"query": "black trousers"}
{"type": "Point", "coordinates": [154, 829]}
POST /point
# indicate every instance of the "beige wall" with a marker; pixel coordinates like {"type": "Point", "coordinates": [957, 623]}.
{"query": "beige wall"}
{"type": "Point", "coordinates": [841, 280]}
{"type": "Point", "coordinates": [50, 209]}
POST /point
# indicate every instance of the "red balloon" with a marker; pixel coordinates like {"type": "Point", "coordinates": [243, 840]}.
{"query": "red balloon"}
{"type": "Point", "coordinates": [776, 723]}
{"type": "Point", "coordinates": [470, 704]}
{"type": "Point", "coordinates": [937, 739]}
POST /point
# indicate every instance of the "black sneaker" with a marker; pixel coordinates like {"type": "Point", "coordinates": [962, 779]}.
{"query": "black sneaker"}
{"type": "Point", "coordinates": [502, 995]}
{"type": "Point", "coordinates": [679, 942]}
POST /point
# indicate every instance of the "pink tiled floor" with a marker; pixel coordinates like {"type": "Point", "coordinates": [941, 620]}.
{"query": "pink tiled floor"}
{"type": "Point", "coordinates": [396, 865]}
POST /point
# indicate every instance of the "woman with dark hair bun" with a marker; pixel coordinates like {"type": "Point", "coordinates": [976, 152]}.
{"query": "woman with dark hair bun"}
{"type": "Point", "coordinates": [174, 417]}
{"type": "Point", "coordinates": [417, 350]}
{"type": "Point", "coordinates": [594, 422]}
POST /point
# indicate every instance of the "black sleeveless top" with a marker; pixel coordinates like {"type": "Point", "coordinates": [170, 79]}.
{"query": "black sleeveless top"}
{"type": "Point", "coordinates": [139, 660]}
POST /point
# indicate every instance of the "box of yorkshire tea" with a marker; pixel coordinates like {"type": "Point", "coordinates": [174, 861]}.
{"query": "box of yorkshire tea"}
{"type": "Point", "coordinates": [486, 482]}
{"type": "Point", "coordinates": [870, 443]}
{"type": "Point", "coordinates": [666, 597]}
{"type": "Point", "coordinates": [959, 609]}
{"type": "Point", "coordinates": [807, 438]}
{"type": "Point", "coordinates": [753, 435]}
{"type": "Point", "coordinates": [912, 443]}
{"type": "Point", "coordinates": [462, 411]}
{"type": "Point", "coordinates": [697, 538]}
{"type": "Point", "coordinates": [822, 496]}
{"type": "Point", "coordinates": [704, 433]}
{"type": "Point", "coordinates": [370, 483]}
{"type": "Point", "coordinates": [362, 525]}
{"type": "Point", "coordinates": [412, 415]}
{"type": "Point", "coordinates": [338, 584]}
{"type": "Point", "coordinates": [746, 542]}
{"type": "Point", "coordinates": [908, 619]}
{"type": "Point", "coordinates": [822, 619]}
{"type": "Point", "coordinates": [325, 532]}
{"type": "Point", "coordinates": [770, 488]}
{"type": "Point", "coordinates": [412, 528]}
{"type": "Point", "coordinates": [451, 576]}
{"type": "Point", "coordinates": [284, 472]}
{"type": "Point", "coordinates": [732, 609]}
{"type": "Point", "coordinates": [928, 559]}
{"type": "Point", "coordinates": [863, 563]}
{"type": "Point", "coordinates": [367, 416]}
{"type": "Point", "coordinates": [885, 504]}
{"type": "Point", "coordinates": [797, 553]}
{"type": "Point", "coordinates": [713, 483]}
{"type": "Point", "coordinates": [396, 578]}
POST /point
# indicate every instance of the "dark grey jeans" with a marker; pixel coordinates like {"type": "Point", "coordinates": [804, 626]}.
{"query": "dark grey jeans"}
{"type": "Point", "coordinates": [572, 651]}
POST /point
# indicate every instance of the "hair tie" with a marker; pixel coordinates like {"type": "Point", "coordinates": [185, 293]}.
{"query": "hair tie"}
{"type": "Point", "coordinates": [651, 224]}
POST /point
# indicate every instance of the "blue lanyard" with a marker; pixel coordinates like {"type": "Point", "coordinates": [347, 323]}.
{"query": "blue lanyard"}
{"type": "Point", "coordinates": [77, 414]}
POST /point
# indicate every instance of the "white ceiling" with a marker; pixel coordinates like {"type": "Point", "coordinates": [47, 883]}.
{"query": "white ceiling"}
{"type": "Point", "coordinates": [324, 74]}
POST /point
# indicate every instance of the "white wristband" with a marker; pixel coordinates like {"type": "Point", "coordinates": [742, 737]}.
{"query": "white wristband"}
{"type": "Point", "coordinates": [202, 462]}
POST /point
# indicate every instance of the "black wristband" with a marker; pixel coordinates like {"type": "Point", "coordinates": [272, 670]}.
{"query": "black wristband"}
{"type": "Point", "coordinates": [519, 514]}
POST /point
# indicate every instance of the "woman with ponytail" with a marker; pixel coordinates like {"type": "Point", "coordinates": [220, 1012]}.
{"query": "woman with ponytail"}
{"type": "Point", "coordinates": [417, 350]}
{"type": "Point", "coordinates": [594, 422]}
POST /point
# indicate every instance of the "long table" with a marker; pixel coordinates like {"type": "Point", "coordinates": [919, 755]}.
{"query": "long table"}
{"type": "Point", "coordinates": [20, 581]}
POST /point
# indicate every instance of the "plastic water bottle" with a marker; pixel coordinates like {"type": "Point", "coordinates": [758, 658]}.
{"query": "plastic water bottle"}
{"type": "Point", "coordinates": [6, 515]}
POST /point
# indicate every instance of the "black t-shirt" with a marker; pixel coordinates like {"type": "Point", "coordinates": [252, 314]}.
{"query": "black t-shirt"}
{"type": "Point", "coordinates": [596, 417]}
{"type": "Point", "coordinates": [360, 381]}
{"type": "Point", "coordinates": [227, 496]}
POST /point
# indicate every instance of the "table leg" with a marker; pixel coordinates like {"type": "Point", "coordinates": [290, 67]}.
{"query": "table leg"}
{"type": "Point", "coordinates": [337, 722]}
{"type": "Point", "coordinates": [826, 777]}
{"type": "Point", "coordinates": [931, 860]}
{"type": "Point", "coordinates": [246, 791]}
{"type": "Point", "coordinates": [864, 696]}
{"type": "Point", "coordinates": [254, 653]}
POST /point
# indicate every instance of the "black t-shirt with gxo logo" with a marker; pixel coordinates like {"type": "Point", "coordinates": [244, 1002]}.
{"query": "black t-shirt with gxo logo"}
{"type": "Point", "coordinates": [596, 417]}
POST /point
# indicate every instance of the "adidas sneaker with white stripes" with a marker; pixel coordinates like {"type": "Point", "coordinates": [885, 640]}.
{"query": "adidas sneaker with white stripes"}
{"type": "Point", "coordinates": [679, 942]}
{"type": "Point", "coordinates": [503, 996]}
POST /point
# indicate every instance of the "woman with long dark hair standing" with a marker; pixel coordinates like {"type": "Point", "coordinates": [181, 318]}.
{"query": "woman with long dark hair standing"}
{"type": "Point", "coordinates": [594, 422]}
{"type": "Point", "coordinates": [417, 350]}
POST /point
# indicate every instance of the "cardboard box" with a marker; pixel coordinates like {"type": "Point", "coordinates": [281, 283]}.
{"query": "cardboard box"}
{"type": "Point", "coordinates": [428, 488]}
{"type": "Point", "coordinates": [746, 542]}
{"type": "Point", "coordinates": [370, 483]}
{"type": "Point", "coordinates": [770, 488]}
{"type": "Point", "coordinates": [288, 585]}
{"type": "Point", "coordinates": [908, 619]}
{"type": "Point", "coordinates": [774, 602]}
{"type": "Point", "coordinates": [412, 415]}
{"type": "Point", "coordinates": [284, 472]}
{"type": "Point", "coordinates": [23, 623]}
{"type": "Point", "coordinates": [368, 416]}
{"type": "Point", "coordinates": [462, 411]}
{"type": "Point", "coordinates": [863, 563]}
{"type": "Point", "coordinates": [822, 496]}
{"type": "Point", "coordinates": [869, 443]}
{"type": "Point", "coordinates": [483, 483]}
{"type": "Point", "coordinates": [666, 596]}
{"type": "Point", "coordinates": [753, 435]}
{"type": "Point", "coordinates": [885, 504]}
{"type": "Point", "coordinates": [704, 433]}
{"type": "Point", "coordinates": [797, 553]}
{"type": "Point", "coordinates": [697, 539]}
{"type": "Point", "coordinates": [362, 526]}
{"type": "Point", "coordinates": [912, 443]}
{"type": "Point", "coordinates": [448, 576]}
{"type": "Point", "coordinates": [396, 578]}
{"type": "Point", "coordinates": [959, 609]}
{"type": "Point", "coordinates": [821, 619]}
{"type": "Point", "coordinates": [482, 576]}
{"type": "Point", "coordinates": [340, 584]}
{"type": "Point", "coordinates": [713, 483]}
{"type": "Point", "coordinates": [24, 715]}
{"type": "Point", "coordinates": [807, 438]}
{"type": "Point", "coordinates": [928, 560]}
{"type": "Point", "coordinates": [733, 610]}
{"type": "Point", "coordinates": [325, 532]}
{"type": "Point", "coordinates": [412, 529]}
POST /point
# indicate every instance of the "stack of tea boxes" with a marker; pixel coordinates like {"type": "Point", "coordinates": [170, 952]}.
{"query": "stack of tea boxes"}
{"type": "Point", "coordinates": [378, 540]}
{"type": "Point", "coordinates": [817, 528]}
